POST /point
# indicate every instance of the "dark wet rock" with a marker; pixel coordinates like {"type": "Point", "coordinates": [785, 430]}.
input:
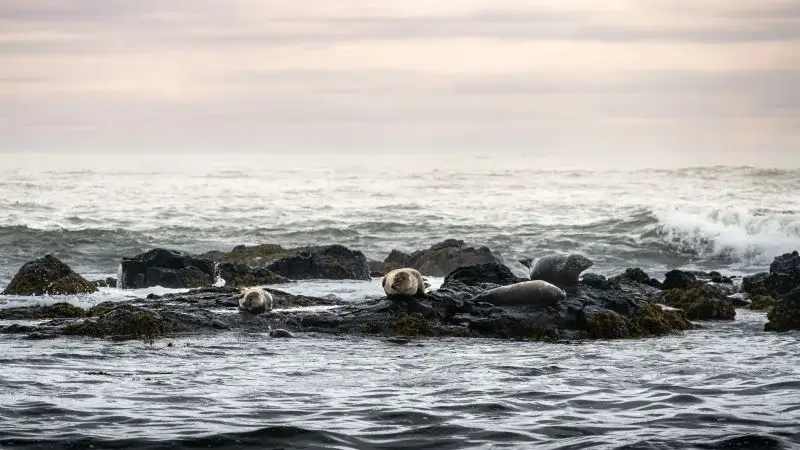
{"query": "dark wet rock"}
{"type": "Point", "coordinates": [614, 310]}
{"type": "Point", "coordinates": [679, 279]}
{"type": "Point", "coordinates": [783, 277]}
{"type": "Point", "coordinates": [375, 273]}
{"type": "Point", "coordinates": [527, 262]}
{"type": "Point", "coordinates": [16, 328]}
{"type": "Point", "coordinates": [771, 284]}
{"type": "Point", "coordinates": [108, 282]}
{"type": "Point", "coordinates": [787, 263]}
{"type": "Point", "coordinates": [280, 333]}
{"type": "Point", "coordinates": [256, 255]}
{"type": "Point", "coordinates": [57, 310]}
{"type": "Point", "coordinates": [122, 323]}
{"type": "Point", "coordinates": [739, 300]}
{"type": "Point", "coordinates": [599, 281]}
{"type": "Point", "coordinates": [48, 275]}
{"type": "Point", "coordinates": [699, 303]}
{"type": "Point", "coordinates": [785, 315]}
{"type": "Point", "coordinates": [475, 275]}
{"type": "Point", "coordinates": [637, 275]}
{"type": "Point", "coordinates": [242, 275]}
{"type": "Point", "coordinates": [457, 309]}
{"type": "Point", "coordinates": [166, 268]}
{"type": "Point", "coordinates": [761, 302]}
{"type": "Point", "coordinates": [440, 259]}
{"type": "Point", "coordinates": [329, 262]}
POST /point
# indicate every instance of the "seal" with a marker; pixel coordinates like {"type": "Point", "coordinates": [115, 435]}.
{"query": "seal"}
{"type": "Point", "coordinates": [405, 281]}
{"type": "Point", "coordinates": [526, 293]}
{"type": "Point", "coordinates": [563, 271]}
{"type": "Point", "coordinates": [255, 300]}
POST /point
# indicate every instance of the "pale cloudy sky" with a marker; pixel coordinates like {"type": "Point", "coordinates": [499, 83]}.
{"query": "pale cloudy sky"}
{"type": "Point", "coordinates": [689, 77]}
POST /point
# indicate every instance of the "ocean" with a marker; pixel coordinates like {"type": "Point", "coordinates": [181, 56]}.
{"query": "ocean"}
{"type": "Point", "coordinates": [727, 385]}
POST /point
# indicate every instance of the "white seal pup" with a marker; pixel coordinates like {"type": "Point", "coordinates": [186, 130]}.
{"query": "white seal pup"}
{"type": "Point", "coordinates": [255, 300]}
{"type": "Point", "coordinates": [526, 293]}
{"type": "Point", "coordinates": [563, 271]}
{"type": "Point", "coordinates": [405, 281]}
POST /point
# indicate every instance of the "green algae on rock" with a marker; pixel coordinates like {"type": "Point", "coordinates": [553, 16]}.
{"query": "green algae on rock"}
{"type": "Point", "coordinates": [124, 322]}
{"type": "Point", "coordinates": [785, 315]}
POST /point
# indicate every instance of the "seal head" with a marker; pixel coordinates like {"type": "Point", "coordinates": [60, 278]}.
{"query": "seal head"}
{"type": "Point", "coordinates": [563, 271]}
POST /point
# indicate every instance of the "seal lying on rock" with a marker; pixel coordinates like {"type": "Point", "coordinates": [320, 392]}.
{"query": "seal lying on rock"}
{"type": "Point", "coordinates": [255, 300]}
{"type": "Point", "coordinates": [532, 293]}
{"type": "Point", "coordinates": [405, 281]}
{"type": "Point", "coordinates": [563, 271]}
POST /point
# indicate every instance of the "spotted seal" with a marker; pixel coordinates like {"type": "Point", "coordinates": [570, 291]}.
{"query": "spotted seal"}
{"type": "Point", "coordinates": [525, 293]}
{"type": "Point", "coordinates": [563, 271]}
{"type": "Point", "coordinates": [255, 300]}
{"type": "Point", "coordinates": [405, 281]}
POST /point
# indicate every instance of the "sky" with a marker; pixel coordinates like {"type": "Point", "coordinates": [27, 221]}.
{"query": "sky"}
{"type": "Point", "coordinates": [713, 81]}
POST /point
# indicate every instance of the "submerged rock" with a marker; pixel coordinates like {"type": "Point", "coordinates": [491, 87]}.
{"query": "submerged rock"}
{"type": "Point", "coordinates": [330, 262]}
{"type": "Point", "coordinates": [167, 268]}
{"type": "Point", "coordinates": [785, 315]}
{"type": "Point", "coordinates": [440, 259]}
{"type": "Point", "coordinates": [48, 275]}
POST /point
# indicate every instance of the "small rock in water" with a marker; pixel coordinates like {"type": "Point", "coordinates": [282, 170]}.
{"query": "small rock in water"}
{"type": "Point", "coordinates": [280, 333]}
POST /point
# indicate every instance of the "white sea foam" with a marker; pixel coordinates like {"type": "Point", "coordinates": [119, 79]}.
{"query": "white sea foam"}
{"type": "Point", "coordinates": [731, 233]}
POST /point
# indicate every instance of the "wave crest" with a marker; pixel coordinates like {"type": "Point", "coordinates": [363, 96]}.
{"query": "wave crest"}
{"type": "Point", "coordinates": [748, 236]}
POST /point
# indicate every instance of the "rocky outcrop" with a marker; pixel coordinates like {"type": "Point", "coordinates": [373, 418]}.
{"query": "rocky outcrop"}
{"type": "Point", "coordinates": [330, 262]}
{"type": "Point", "coordinates": [166, 268]}
{"type": "Point", "coordinates": [637, 275]}
{"type": "Point", "coordinates": [678, 279]}
{"type": "Point", "coordinates": [123, 322]}
{"type": "Point", "coordinates": [705, 302]}
{"type": "Point", "coordinates": [476, 275]}
{"type": "Point", "coordinates": [254, 256]}
{"type": "Point", "coordinates": [440, 259]}
{"type": "Point", "coordinates": [761, 302]}
{"type": "Point", "coordinates": [785, 314]}
{"type": "Point", "coordinates": [242, 275]}
{"type": "Point", "coordinates": [783, 277]}
{"type": "Point", "coordinates": [615, 310]}
{"type": "Point", "coordinates": [48, 275]}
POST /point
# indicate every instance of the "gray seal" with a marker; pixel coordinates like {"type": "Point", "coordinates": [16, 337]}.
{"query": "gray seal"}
{"type": "Point", "coordinates": [563, 271]}
{"type": "Point", "coordinates": [526, 293]}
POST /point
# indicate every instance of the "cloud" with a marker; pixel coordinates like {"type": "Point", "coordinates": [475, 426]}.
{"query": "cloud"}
{"type": "Point", "coordinates": [357, 73]}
